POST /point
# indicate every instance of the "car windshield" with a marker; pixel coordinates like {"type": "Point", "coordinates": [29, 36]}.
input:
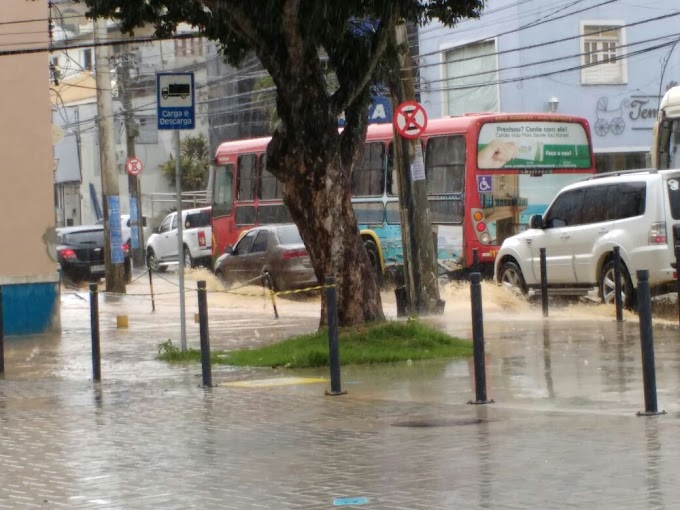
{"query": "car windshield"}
{"type": "Point", "coordinates": [289, 235]}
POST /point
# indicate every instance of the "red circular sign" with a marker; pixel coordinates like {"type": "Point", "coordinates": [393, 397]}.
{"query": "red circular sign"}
{"type": "Point", "coordinates": [410, 119]}
{"type": "Point", "coordinates": [133, 166]}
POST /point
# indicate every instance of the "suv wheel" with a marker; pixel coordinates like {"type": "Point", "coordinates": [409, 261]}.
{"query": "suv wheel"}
{"type": "Point", "coordinates": [511, 276]}
{"type": "Point", "coordinates": [608, 285]}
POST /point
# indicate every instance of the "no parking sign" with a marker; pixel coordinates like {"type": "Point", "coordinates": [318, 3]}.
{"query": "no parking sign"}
{"type": "Point", "coordinates": [410, 119]}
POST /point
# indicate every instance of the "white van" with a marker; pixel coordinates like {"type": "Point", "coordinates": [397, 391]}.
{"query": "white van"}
{"type": "Point", "coordinates": [635, 210]}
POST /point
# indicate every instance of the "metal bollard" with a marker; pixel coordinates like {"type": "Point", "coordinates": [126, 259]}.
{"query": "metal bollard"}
{"type": "Point", "coordinates": [206, 367]}
{"type": "Point", "coordinates": [333, 343]}
{"type": "Point", "coordinates": [478, 340]}
{"type": "Point", "coordinates": [647, 344]}
{"type": "Point", "coordinates": [2, 337]}
{"type": "Point", "coordinates": [153, 300]}
{"type": "Point", "coordinates": [94, 327]}
{"type": "Point", "coordinates": [475, 260]}
{"type": "Point", "coordinates": [617, 284]}
{"type": "Point", "coordinates": [270, 283]}
{"type": "Point", "coordinates": [544, 283]}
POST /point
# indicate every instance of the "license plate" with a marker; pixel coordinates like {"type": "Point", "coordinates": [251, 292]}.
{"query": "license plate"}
{"type": "Point", "coordinates": [97, 268]}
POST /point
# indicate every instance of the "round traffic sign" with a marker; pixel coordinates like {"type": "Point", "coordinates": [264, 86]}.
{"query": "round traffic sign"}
{"type": "Point", "coordinates": [410, 119]}
{"type": "Point", "coordinates": [133, 166]}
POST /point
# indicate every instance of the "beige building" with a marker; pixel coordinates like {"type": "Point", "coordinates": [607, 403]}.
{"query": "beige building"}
{"type": "Point", "coordinates": [28, 274]}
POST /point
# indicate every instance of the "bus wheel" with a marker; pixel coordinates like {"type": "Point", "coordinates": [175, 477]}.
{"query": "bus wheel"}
{"type": "Point", "coordinates": [510, 276]}
{"type": "Point", "coordinates": [374, 258]}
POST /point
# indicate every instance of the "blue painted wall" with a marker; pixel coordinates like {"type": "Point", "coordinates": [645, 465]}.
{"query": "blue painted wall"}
{"type": "Point", "coordinates": [634, 102]}
{"type": "Point", "coordinates": [29, 308]}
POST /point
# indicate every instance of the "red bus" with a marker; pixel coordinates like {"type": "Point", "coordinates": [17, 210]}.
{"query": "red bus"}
{"type": "Point", "coordinates": [487, 174]}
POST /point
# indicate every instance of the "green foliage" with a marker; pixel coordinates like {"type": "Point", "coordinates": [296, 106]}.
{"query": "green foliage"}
{"type": "Point", "coordinates": [382, 342]}
{"type": "Point", "coordinates": [194, 162]}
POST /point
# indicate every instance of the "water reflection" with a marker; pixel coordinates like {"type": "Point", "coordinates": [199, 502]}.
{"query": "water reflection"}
{"type": "Point", "coordinates": [547, 361]}
{"type": "Point", "coordinates": [655, 497]}
{"type": "Point", "coordinates": [484, 452]}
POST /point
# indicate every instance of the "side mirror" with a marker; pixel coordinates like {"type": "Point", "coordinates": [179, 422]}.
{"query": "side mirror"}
{"type": "Point", "coordinates": [229, 250]}
{"type": "Point", "coordinates": [536, 221]}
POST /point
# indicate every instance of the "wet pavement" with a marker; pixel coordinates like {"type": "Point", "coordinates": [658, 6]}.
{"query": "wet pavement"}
{"type": "Point", "coordinates": [562, 433]}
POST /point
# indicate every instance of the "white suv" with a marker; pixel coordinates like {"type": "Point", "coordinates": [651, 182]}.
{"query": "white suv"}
{"type": "Point", "coordinates": [162, 248]}
{"type": "Point", "coordinates": [635, 210]}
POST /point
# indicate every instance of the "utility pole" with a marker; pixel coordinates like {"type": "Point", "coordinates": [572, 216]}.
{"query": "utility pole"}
{"type": "Point", "coordinates": [131, 131]}
{"type": "Point", "coordinates": [113, 242]}
{"type": "Point", "coordinates": [420, 270]}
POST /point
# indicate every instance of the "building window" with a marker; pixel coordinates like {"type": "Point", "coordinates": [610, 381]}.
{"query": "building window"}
{"type": "Point", "coordinates": [472, 78]}
{"type": "Point", "coordinates": [87, 59]}
{"type": "Point", "coordinates": [601, 55]}
{"type": "Point", "coordinates": [188, 47]}
{"type": "Point", "coordinates": [615, 161]}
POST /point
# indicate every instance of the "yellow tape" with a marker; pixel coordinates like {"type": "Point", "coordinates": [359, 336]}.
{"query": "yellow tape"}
{"type": "Point", "coordinates": [303, 290]}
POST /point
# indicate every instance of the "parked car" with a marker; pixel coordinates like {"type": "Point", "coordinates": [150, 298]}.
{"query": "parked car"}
{"type": "Point", "coordinates": [126, 228]}
{"type": "Point", "coordinates": [161, 247]}
{"type": "Point", "coordinates": [638, 211]}
{"type": "Point", "coordinates": [274, 249]}
{"type": "Point", "coordinates": [80, 253]}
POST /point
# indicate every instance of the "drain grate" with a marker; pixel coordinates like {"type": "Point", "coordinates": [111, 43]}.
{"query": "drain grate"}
{"type": "Point", "coordinates": [439, 422]}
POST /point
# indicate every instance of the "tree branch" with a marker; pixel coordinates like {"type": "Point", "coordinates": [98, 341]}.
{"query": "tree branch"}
{"type": "Point", "coordinates": [236, 16]}
{"type": "Point", "coordinates": [291, 31]}
{"type": "Point", "coordinates": [349, 92]}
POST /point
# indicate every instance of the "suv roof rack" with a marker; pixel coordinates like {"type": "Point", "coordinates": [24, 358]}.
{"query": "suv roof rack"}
{"type": "Point", "coordinates": [623, 172]}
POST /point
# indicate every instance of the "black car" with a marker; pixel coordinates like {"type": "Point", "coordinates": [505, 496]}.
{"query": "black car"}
{"type": "Point", "coordinates": [80, 253]}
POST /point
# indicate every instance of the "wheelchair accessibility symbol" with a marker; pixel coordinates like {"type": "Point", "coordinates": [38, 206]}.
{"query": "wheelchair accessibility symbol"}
{"type": "Point", "coordinates": [484, 184]}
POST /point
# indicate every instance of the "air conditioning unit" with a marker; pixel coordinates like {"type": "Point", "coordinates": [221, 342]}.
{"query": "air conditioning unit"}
{"type": "Point", "coordinates": [121, 156]}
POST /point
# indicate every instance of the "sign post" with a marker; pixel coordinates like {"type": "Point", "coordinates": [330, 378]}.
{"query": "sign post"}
{"type": "Point", "coordinates": [418, 236]}
{"type": "Point", "coordinates": [175, 97]}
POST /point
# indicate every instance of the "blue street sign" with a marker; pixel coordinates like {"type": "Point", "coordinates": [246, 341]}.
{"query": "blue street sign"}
{"type": "Point", "coordinates": [115, 232]}
{"type": "Point", "coordinates": [379, 111]}
{"type": "Point", "coordinates": [134, 218]}
{"type": "Point", "coordinates": [175, 99]}
{"type": "Point", "coordinates": [484, 184]}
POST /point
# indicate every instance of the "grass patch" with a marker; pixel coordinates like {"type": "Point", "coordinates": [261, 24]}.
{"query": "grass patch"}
{"type": "Point", "coordinates": [383, 342]}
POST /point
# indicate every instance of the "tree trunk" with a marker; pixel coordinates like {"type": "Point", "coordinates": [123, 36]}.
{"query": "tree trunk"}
{"type": "Point", "coordinates": [327, 223]}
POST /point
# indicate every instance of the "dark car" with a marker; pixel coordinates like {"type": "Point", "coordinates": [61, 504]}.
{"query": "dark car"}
{"type": "Point", "coordinates": [274, 249]}
{"type": "Point", "coordinates": [80, 253]}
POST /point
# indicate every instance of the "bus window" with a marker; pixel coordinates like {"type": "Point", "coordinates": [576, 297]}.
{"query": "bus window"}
{"type": "Point", "coordinates": [270, 187]}
{"type": "Point", "coordinates": [445, 164]}
{"type": "Point", "coordinates": [369, 213]}
{"type": "Point", "coordinates": [392, 176]}
{"type": "Point", "coordinates": [448, 210]}
{"type": "Point", "coordinates": [277, 213]}
{"type": "Point", "coordinates": [245, 215]}
{"type": "Point", "coordinates": [246, 178]}
{"type": "Point", "coordinates": [223, 191]}
{"type": "Point", "coordinates": [392, 213]}
{"type": "Point", "coordinates": [368, 174]}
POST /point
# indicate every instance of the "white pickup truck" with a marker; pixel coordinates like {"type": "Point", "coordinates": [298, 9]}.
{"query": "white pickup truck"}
{"type": "Point", "coordinates": [162, 246]}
